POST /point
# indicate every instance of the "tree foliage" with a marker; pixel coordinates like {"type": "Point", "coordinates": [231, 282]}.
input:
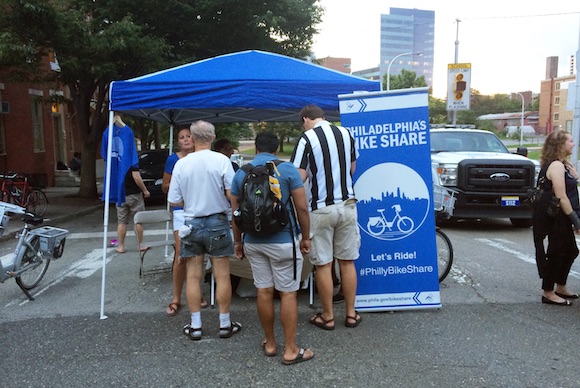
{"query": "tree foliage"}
{"type": "Point", "coordinates": [405, 80]}
{"type": "Point", "coordinates": [99, 41]}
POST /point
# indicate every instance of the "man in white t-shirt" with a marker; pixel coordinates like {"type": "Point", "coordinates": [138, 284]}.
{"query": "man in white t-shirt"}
{"type": "Point", "coordinates": [201, 183]}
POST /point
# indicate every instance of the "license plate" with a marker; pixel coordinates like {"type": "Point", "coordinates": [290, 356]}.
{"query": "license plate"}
{"type": "Point", "coordinates": [510, 201]}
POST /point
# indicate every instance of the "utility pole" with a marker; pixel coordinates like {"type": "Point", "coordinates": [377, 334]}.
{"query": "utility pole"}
{"type": "Point", "coordinates": [576, 122]}
{"type": "Point", "coordinates": [454, 112]}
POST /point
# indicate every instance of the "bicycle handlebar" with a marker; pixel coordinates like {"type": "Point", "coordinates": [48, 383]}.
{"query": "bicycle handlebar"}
{"type": "Point", "coordinates": [10, 176]}
{"type": "Point", "coordinates": [10, 207]}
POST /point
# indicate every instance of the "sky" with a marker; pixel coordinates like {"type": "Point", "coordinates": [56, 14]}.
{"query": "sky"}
{"type": "Point", "coordinates": [506, 41]}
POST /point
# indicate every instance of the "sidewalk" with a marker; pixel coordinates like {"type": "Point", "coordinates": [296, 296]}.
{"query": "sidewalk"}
{"type": "Point", "coordinates": [63, 204]}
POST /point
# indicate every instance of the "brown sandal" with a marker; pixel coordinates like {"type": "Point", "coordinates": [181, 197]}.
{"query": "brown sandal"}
{"type": "Point", "coordinates": [173, 309]}
{"type": "Point", "coordinates": [322, 323]}
{"type": "Point", "coordinates": [357, 319]}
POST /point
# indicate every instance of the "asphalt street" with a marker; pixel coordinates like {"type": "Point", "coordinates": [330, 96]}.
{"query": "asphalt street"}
{"type": "Point", "coordinates": [492, 330]}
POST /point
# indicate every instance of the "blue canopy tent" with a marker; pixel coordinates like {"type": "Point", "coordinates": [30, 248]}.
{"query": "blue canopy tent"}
{"type": "Point", "coordinates": [239, 87]}
{"type": "Point", "coordinates": [247, 86]}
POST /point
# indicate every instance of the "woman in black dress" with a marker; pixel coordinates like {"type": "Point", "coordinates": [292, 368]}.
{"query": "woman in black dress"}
{"type": "Point", "coordinates": [561, 180]}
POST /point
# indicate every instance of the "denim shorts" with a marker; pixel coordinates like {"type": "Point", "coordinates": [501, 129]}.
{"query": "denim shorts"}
{"type": "Point", "coordinates": [209, 235]}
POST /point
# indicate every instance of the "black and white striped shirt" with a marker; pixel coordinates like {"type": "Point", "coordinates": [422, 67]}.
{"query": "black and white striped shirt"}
{"type": "Point", "coordinates": [326, 153]}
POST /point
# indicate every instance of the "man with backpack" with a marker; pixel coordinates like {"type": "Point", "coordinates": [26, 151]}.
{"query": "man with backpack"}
{"type": "Point", "coordinates": [266, 234]}
{"type": "Point", "coordinates": [326, 155]}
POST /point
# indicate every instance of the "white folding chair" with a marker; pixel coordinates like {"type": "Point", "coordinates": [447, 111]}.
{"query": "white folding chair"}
{"type": "Point", "coordinates": [150, 217]}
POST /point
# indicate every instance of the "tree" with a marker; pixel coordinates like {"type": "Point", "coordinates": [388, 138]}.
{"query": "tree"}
{"type": "Point", "coordinates": [103, 40]}
{"type": "Point", "coordinates": [284, 130]}
{"type": "Point", "coordinates": [406, 79]}
{"type": "Point", "coordinates": [437, 110]}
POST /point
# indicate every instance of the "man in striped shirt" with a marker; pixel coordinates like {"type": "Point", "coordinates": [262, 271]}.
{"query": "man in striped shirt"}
{"type": "Point", "coordinates": [326, 155]}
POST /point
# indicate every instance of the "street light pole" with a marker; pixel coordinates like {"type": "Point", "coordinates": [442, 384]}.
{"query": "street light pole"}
{"type": "Point", "coordinates": [454, 113]}
{"type": "Point", "coordinates": [389, 67]}
{"type": "Point", "coordinates": [522, 121]}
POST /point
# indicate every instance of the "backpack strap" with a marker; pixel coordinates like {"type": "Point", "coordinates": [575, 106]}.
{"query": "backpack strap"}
{"type": "Point", "coordinates": [292, 214]}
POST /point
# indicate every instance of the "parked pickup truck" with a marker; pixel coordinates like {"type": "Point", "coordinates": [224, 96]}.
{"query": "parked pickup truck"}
{"type": "Point", "coordinates": [490, 181]}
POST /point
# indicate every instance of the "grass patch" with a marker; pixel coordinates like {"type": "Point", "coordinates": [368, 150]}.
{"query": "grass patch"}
{"type": "Point", "coordinates": [534, 154]}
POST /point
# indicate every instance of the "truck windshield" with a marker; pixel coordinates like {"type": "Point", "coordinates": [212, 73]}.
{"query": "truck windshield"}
{"type": "Point", "coordinates": [456, 141]}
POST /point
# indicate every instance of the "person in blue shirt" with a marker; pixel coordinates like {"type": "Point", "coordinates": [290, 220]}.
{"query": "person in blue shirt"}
{"type": "Point", "coordinates": [272, 257]}
{"type": "Point", "coordinates": [126, 187]}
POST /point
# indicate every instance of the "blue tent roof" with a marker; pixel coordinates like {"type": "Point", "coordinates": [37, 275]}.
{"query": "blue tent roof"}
{"type": "Point", "coordinates": [238, 87]}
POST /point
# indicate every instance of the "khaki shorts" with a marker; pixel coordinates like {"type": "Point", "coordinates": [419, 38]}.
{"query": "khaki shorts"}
{"type": "Point", "coordinates": [273, 265]}
{"type": "Point", "coordinates": [133, 204]}
{"type": "Point", "coordinates": [334, 233]}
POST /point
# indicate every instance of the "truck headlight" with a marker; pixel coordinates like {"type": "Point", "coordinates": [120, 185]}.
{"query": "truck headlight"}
{"type": "Point", "coordinates": [447, 174]}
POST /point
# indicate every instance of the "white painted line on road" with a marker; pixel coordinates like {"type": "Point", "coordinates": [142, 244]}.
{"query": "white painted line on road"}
{"type": "Point", "coordinates": [83, 268]}
{"type": "Point", "coordinates": [500, 244]}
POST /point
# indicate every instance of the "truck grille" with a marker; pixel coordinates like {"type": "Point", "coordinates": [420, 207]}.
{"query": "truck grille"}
{"type": "Point", "coordinates": [494, 176]}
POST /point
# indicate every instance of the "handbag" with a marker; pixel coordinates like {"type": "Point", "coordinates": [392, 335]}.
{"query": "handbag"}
{"type": "Point", "coordinates": [537, 192]}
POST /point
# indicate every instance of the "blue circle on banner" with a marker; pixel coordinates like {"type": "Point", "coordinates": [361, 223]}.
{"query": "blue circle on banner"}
{"type": "Point", "coordinates": [393, 201]}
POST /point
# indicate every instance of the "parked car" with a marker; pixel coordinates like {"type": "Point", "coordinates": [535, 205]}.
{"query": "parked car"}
{"type": "Point", "coordinates": [152, 164]}
{"type": "Point", "coordinates": [490, 181]}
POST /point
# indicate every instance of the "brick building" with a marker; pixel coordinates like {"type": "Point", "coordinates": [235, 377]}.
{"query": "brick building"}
{"type": "Point", "coordinates": [338, 64]}
{"type": "Point", "coordinates": [553, 113]}
{"type": "Point", "coordinates": [36, 129]}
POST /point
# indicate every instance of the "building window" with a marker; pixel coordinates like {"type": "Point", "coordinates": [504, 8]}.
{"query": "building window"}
{"type": "Point", "coordinates": [37, 130]}
{"type": "Point", "coordinates": [568, 125]}
{"type": "Point", "coordinates": [556, 100]}
{"type": "Point", "coordinates": [557, 85]}
{"type": "Point", "coordinates": [556, 116]}
{"type": "Point", "coordinates": [2, 137]}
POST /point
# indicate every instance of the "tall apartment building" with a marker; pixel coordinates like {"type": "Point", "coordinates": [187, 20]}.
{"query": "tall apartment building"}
{"type": "Point", "coordinates": [408, 31]}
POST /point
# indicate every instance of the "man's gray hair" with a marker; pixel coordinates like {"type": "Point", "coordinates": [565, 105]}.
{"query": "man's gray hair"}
{"type": "Point", "coordinates": [203, 131]}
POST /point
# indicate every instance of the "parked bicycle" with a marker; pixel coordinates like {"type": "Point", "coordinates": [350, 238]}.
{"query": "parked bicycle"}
{"type": "Point", "coordinates": [444, 202]}
{"type": "Point", "coordinates": [34, 250]}
{"type": "Point", "coordinates": [16, 189]}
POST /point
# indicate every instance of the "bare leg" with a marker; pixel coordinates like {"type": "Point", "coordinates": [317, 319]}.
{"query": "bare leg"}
{"type": "Point", "coordinates": [138, 228]}
{"type": "Point", "coordinates": [179, 272]}
{"type": "Point", "coordinates": [223, 289]}
{"type": "Point", "coordinates": [265, 305]}
{"type": "Point", "coordinates": [289, 320]}
{"type": "Point", "coordinates": [194, 267]}
{"type": "Point", "coordinates": [121, 233]}
{"type": "Point", "coordinates": [348, 278]}
{"type": "Point", "coordinates": [325, 290]}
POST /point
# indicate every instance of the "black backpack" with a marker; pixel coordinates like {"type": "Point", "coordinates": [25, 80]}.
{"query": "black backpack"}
{"type": "Point", "coordinates": [261, 211]}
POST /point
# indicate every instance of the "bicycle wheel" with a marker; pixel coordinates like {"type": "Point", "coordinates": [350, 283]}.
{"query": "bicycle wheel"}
{"type": "Point", "coordinates": [444, 254]}
{"type": "Point", "coordinates": [36, 202]}
{"type": "Point", "coordinates": [35, 264]}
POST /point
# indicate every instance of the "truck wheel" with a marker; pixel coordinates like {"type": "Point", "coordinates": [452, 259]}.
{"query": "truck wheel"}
{"type": "Point", "coordinates": [521, 222]}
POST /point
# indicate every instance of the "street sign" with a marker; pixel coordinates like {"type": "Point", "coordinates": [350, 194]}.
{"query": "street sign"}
{"type": "Point", "coordinates": [458, 86]}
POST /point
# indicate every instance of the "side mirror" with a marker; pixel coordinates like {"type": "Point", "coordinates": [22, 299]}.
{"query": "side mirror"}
{"type": "Point", "coordinates": [522, 151]}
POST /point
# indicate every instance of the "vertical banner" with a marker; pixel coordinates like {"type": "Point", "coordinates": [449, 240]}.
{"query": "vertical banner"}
{"type": "Point", "coordinates": [397, 267]}
{"type": "Point", "coordinates": [458, 86]}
